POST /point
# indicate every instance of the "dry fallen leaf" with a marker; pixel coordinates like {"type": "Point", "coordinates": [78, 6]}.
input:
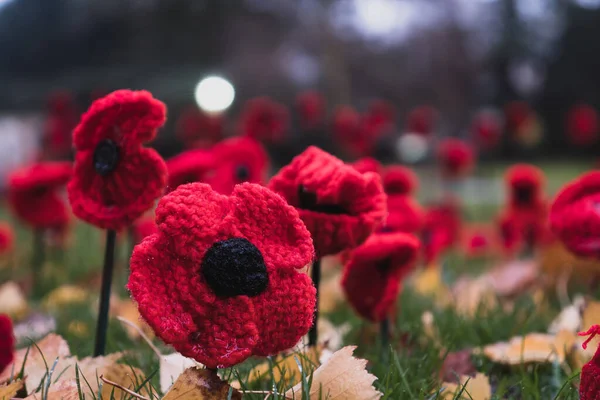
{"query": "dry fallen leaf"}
{"type": "Point", "coordinates": [473, 295]}
{"type": "Point", "coordinates": [126, 309]}
{"type": "Point", "coordinates": [513, 278]}
{"type": "Point", "coordinates": [477, 388]}
{"type": "Point", "coordinates": [570, 317]}
{"type": "Point", "coordinates": [342, 377]}
{"type": "Point", "coordinates": [12, 301]}
{"type": "Point", "coordinates": [64, 390]}
{"type": "Point", "coordinates": [10, 390]}
{"type": "Point", "coordinates": [331, 293]}
{"type": "Point", "coordinates": [533, 348]}
{"type": "Point", "coordinates": [428, 282]}
{"type": "Point", "coordinates": [456, 364]}
{"type": "Point", "coordinates": [200, 384]}
{"type": "Point", "coordinates": [34, 327]}
{"type": "Point", "coordinates": [65, 295]}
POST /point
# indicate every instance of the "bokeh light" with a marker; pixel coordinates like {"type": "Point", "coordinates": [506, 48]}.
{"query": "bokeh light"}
{"type": "Point", "coordinates": [214, 94]}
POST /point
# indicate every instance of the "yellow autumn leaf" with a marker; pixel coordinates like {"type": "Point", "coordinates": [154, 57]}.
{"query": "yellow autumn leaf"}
{"type": "Point", "coordinates": [64, 390]}
{"type": "Point", "coordinates": [473, 295]}
{"type": "Point", "coordinates": [473, 388]}
{"type": "Point", "coordinates": [342, 377]}
{"type": "Point", "coordinates": [200, 384]}
{"type": "Point", "coordinates": [428, 282]}
{"type": "Point", "coordinates": [126, 309]}
{"type": "Point", "coordinates": [9, 390]}
{"type": "Point", "coordinates": [12, 301]}
{"type": "Point", "coordinates": [64, 295]}
{"type": "Point", "coordinates": [570, 317]}
{"type": "Point", "coordinates": [533, 348]}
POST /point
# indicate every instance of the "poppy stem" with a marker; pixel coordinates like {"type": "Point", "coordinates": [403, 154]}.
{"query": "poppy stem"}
{"type": "Point", "coordinates": [109, 261]}
{"type": "Point", "coordinates": [38, 259]}
{"type": "Point", "coordinates": [316, 278]}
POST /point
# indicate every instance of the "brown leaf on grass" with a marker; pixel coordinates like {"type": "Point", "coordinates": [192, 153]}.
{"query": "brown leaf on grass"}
{"type": "Point", "coordinates": [342, 377]}
{"type": "Point", "coordinates": [457, 363]}
{"type": "Point", "coordinates": [12, 301]}
{"type": "Point", "coordinates": [570, 318]}
{"type": "Point", "coordinates": [65, 295]}
{"type": "Point", "coordinates": [428, 282]}
{"type": "Point", "coordinates": [514, 278]}
{"type": "Point", "coordinates": [473, 295]}
{"type": "Point", "coordinates": [126, 309]}
{"type": "Point", "coordinates": [64, 390]}
{"type": "Point", "coordinates": [10, 390]}
{"type": "Point", "coordinates": [533, 348]}
{"type": "Point", "coordinates": [200, 384]}
{"type": "Point", "coordinates": [124, 376]}
{"type": "Point", "coordinates": [477, 388]}
{"type": "Point", "coordinates": [171, 367]}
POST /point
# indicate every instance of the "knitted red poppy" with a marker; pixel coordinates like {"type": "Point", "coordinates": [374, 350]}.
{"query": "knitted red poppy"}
{"type": "Point", "coordinates": [61, 119]}
{"type": "Point", "coordinates": [351, 132]}
{"type": "Point", "coordinates": [219, 281]}
{"type": "Point", "coordinates": [440, 229]}
{"type": "Point", "coordinates": [582, 125]}
{"type": "Point", "coordinates": [311, 108]}
{"type": "Point", "coordinates": [422, 120]}
{"type": "Point", "coordinates": [404, 215]}
{"type": "Point", "coordinates": [367, 164]}
{"type": "Point", "coordinates": [486, 129]}
{"type": "Point", "coordinates": [523, 229]}
{"type": "Point", "coordinates": [143, 227]}
{"type": "Point", "coordinates": [339, 205]}
{"type": "Point", "coordinates": [264, 120]}
{"type": "Point", "coordinates": [456, 157]}
{"type": "Point", "coordinates": [237, 160]}
{"type": "Point", "coordinates": [116, 179]}
{"type": "Point", "coordinates": [373, 276]}
{"type": "Point", "coordinates": [399, 180]}
{"type": "Point", "coordinates": [574, 216]}
{"type": "Point", "coordinates": [7, 238]}
{"type": "Point", "coordinates": [198, 129]}
{"type": "Point", "coordinates": [516, 114]}
{"type": "Point", "coordinates": [589, 386]}
{"type": "Point", "coordinates": [7, 342]}
{"type": "Point", "coordinates": [33, 194]}
{"type": "Point", "coordinates": [380, 116]}
{"type": "Point", "coordinates": [525, 185]}
{"type": "Point", "coordinates": [188, 167]}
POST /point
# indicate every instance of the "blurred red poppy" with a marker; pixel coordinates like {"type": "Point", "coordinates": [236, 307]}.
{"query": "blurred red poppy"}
{"type": "Point", "coordinates": [440, 229]}
{"type": "Point", "coordinates": [367, 164]}
{"type": "Point", "coordinates": [60, 121]}
{"type": "Point", "coordinates": [486, 129]}
{"type": "Point", "coordinates": [582, 125]}
{"type": "Point", "coordinates": [197, 129]}
{"type": "Point", "coordinates": [7, 238]}
{"type": "Point", "coordinates": [456, 157]}
{"type": "Point", "coordinates": [264, 120]}
{"type": "Point", "coordinates": [399, 180]}
{"type": "Point", "coordinates": [380, 116]}
{"type": "Point", "coordinates": [525, 184]}
{"type": "Point", "coordinates": [311, 108]}
{"type": "Point", "coordinates": [404, 215]}
{"type": "Point", "coordinates": [7, 342]}
{"type": "Point", "coordinates": [143, 227]}
{"type": "Point", "coordinates": [189, 166]}
{"type": "Point", "coordinates": [422, 120]}
{"type": "Point", "coordinates": [589, 386]}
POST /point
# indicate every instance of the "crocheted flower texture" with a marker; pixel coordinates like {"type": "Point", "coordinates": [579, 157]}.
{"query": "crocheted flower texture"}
{"type": "Point", "coordinates": [143, 227]}
{"type": "Point", "coordinates": [574, 216]}
{"type": "Point", "coordinates": [237, 160]}
{"type": "Point", "coordinates": [116, 179]}
{"type": "Point", "coordinates": [440, 229]}
{"type": "Point", "coordinates": [7, 342]}
{"type": "Point", "coordinates": [525, 188]}
{"type": "Point", "coordinates": [399, 180]}
{"type": "Point", "coordinates": [189, 167]}
{"type": "Point", "coordinates": [7, 237]}
{"type": "Point", "coordinates": [456, 157]}
{"type": "Point", "coordinates": [310, 106]}
{"type": "Point", "coordinates": [373, 276]}
{"type": "Point", "coordinates": [264, 120]}
{"type": "Point", "coordinates": [340, 206]}
{"type": "Point", "coordinates": [589, 386]}
{"type": "Point", "coordinates": [367, 164]}
{"type": "Point", "coordinates": [33, 194]}
{"type": "Point", "coordinates": [404, 215]}
{"type": "Point", "coordinates": [220, 281]}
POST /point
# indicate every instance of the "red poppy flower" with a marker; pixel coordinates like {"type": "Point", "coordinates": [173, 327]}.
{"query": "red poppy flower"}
{"type": "Point", "coordinates": [404, 215]}
{"type": "Point", "coordinates": [589, 386]}
{"type": "Point", "coordinates": [33, 194]}
{"type": "Point", "coordinates": [582, 125]}
{"type": "Point", "coordinates": [516, 114]}
{"type": "Point", "coordinates": [574, 216]}
{"type": "Point", "coordinates": [486, 129]}
{"type": "Point", "coordinates": [477, 241]}
{"type": "Point", "coordinates": [198, 129]}
{"type": "Point", "coordinates": [188, 167]}
{"type": "Point", "coordinates": [399, 180]}
{"type": "Point", "coordinates": [340, 206]}
{"type": "Point", "coordinates": [311, 108]}
{"type": "Point", "coordinates": [237, 160]}
{"type": "Point", "coordinates": [61, 119]}
{"type": "Point", "coordinates": [380, 116]}
{"type": "Point", "coordinates": [523, 229]}
{"type": "Point", "coordinates": [7, 238]}
{"type": "Point", "coordinates": [350, 131]}
{"type": "Point", "coordinates": [422, 120]}
{"type": "Point", "coordinates": [116, 179]}
{"type": "Point", "coordinates": [215, 278]}
{"type": "Point", "coordinates": [373, 276]}
{"type": "Point", "coordinates": [265, 120]}
{"type": "Point", "coordinates": [143, 227]}
{"type": "Point", "coordinates": [367, 164]}
{"type": "Point", "coordinates": [440, 229]}
{"type": "Point", "coordinates": [525, 188]}
{"type": "Point", "coordinates": [456, 157]}
{"type": "Point", "coordinates": [7, 342]}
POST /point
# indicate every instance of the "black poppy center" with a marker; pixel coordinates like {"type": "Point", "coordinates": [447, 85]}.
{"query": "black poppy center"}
{"type": "Point", "coordinates": [235, 267]}
{"type": "Point", "coordinates": [242, 173]}
{"type": "Point", "coordinates": [106, 157]}
{"type": "Point", "coordinates": [524, 194]}
{"type": "Point", "coordinates": [308, 201]}
{"type": "Point", "coordinates": [384, 266]}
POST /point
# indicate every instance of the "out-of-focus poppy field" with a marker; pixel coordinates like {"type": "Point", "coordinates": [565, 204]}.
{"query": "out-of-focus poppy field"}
{"type": "Point", "coordinates": [268, 199]}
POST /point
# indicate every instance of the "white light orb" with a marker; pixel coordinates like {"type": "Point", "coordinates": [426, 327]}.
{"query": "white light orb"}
{"type": "Point", "coordinates": [411, 148]}
{"type": "Point", "coordinates": [214, 94]}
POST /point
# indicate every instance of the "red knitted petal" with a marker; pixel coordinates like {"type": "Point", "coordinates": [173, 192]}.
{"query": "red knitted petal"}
{"type": "Point", "coordinates": [347, 207]}
{"type": "Point", "coordinates": [284, 312]}
{"type": "Point", "coordinates": [265, 219]}
{"type": "Point", "coordinates": [192, 217]}
{"type": "Point", "coordinates": [7, 238]}
{"type": "Point", "coordinates": [264, 119]}
{"type": "Point", "coordinates": [237, 160]}
{"type": "Point", "coordinates": [126, 117]}
{"type": "Point", "coordinates": [7, 342]}
{"type": "Point", "coordinates": [40, 209]}
{"type": "Point", "coordinates": [48, 175]}
{"type": "Point", "coordinates": [174, 299]}
{"type": "Point", "coordinates": [574, 215]}
{"type": "Point", "coordinates": [440, 230]}
{"type": "Point", "coordinates": [373, 276]}
{"type": "Point", "coordinates": [116, 200]}
{"type": "Point", "coordinates": [404, 215]}
{"type": "Point", "coordinates": [188, 167]}
{"type": "Point", "coordinates": [367, 164]}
